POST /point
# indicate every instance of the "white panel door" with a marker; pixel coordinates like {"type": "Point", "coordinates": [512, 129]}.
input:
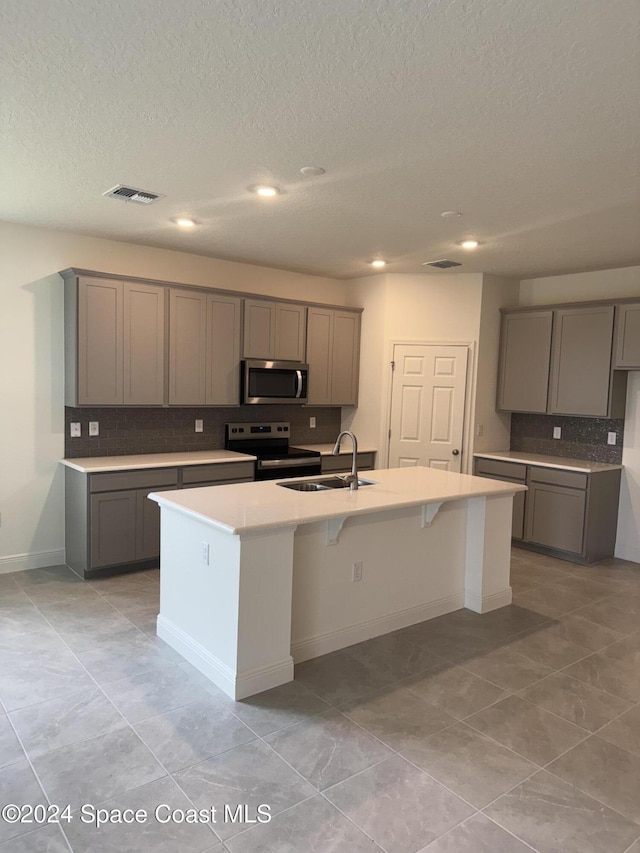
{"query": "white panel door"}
{"type": "Point", "coordinates": [427, 406]}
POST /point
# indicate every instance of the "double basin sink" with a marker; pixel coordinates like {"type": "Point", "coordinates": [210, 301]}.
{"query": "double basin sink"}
{"type": "Point", "coordinates": [322, 484]}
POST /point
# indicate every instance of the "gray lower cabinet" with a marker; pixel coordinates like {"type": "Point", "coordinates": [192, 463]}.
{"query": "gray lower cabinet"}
{"type": "Point", "coordinates": [568, 514]}
{"type": "Point", "coordinates": [509, 472]}
{"type": "Point", "coordinates": [627, 337]}
{"type": "Point", "coordinates": [342, 463]}
{"type": "Point", "coordinates": [110, 524]}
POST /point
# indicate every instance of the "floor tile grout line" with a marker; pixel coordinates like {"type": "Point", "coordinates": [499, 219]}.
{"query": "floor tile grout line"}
{"type": "Point", "coordinates": [39, 781]}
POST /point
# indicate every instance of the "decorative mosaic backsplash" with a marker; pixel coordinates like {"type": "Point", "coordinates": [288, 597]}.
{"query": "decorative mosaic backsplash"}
{"type": "Point", "coordinates": [582, 438]}
{"type": "Point", "coordinates": [155, 430]}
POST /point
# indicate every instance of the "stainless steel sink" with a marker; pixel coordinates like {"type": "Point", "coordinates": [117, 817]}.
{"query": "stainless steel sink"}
{"type": "Point", "coordinates": [322, 485]}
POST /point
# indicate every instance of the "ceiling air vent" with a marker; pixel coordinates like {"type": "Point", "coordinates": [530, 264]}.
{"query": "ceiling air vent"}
{"type": "Point", "coordinates": [132, 194]}
{"type": "Point", "coordinates": [442, 265]}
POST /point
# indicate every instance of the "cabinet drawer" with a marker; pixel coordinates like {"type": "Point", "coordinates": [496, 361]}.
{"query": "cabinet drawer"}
{"type": "Point", "coordinates": [493, 467]}
{"type": "Point", "coordinates": [215, 483]}
{"type": "Point", "coordinates": [148, 479]}
{"type": "Point", "coordinates": [557, 477]}
{"type": "Point", "coordinates": [222, 472]}
{"type": "Point", "coordinates": [343, 462]}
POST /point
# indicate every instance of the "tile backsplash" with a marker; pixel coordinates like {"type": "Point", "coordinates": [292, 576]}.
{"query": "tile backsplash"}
{"type": "Point", "coordinates": [157, 430]}
{"type": "Point", "coordinates": [582, 438]}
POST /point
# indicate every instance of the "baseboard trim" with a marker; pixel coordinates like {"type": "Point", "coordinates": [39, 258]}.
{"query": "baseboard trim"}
{"type": "Point", "coordinates": [313, 647]}
{"type": "Point", "coordinates": [628, 552]}
{"type": "Point", "coordinates": [23, 562]}
{"type": "Point", "coordinates": [486, 603]}
{"type": "Point", "coordinates": [237, 686]}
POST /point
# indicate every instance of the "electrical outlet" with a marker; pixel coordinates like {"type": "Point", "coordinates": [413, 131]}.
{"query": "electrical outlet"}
{"type": "Point", "coordinates": [611, 438]}
{"type": "Point", "coordinates": [204, 553]}
{"type": "Point", "coordinates": [199, 425]}
{"type": "Point", "coordinates": [94, 428]}
{"type": "Point", "coordinates": [479, 430]}
{"type": "Point", "coordinates": [76, 430]}
{"type": "Point", "coordinates": [356, 571]}
{"type": "Point", "coordinates": [312, 423]}
{"type": "Point", "coordinates": [557, 432]}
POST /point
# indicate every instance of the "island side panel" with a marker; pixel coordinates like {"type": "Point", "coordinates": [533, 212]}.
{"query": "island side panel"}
{"type": "Point", "coordinates": [410, 573]}
{"type": "Point", "coordinates": [219, 614]}
{"type": "Point", "coordinates": [488, 557]}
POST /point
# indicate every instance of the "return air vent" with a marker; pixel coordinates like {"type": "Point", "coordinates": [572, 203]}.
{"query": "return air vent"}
{"type": "Point", "coordinates": [132, 194]}
{"type": "Point", "coordinates": [442, 265]}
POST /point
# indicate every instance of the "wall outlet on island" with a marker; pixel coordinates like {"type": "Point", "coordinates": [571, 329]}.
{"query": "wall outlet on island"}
{"type": "Point", "coordinates": [356, 571]}
{"type": "Point", "coordinates": [312, 423]}
{"type": "Point", "coordinates": [557, 432]}
{"type": "Point", "coordinates": [199, 425]}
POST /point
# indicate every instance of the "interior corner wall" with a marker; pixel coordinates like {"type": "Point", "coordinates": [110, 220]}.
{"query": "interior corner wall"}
{"type": "Point", "coordinates": [497, 293]}
{"type": "Point", "coordinates": [31, 354]}
{"type": "Point", "coordinates": [410, 308]}
{"type": "Point", "coordinates": [582, 287]}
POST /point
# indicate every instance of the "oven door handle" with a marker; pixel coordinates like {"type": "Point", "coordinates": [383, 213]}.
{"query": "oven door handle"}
{"type": "Point", "coordinates": [286, 463]}
{"type": "Point", "coordinates": [299, 384]}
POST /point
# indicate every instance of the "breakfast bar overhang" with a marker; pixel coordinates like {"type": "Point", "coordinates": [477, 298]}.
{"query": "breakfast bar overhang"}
{"type": "Point", "coordinates": [255, 576]}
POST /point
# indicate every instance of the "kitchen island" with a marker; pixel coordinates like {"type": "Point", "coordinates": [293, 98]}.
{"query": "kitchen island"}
{"type": "Point", "coordinates": [255, 576]}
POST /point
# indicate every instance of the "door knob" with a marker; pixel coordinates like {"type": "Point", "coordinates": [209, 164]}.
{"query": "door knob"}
{"type": "Point", "coordinates": [455, 452]}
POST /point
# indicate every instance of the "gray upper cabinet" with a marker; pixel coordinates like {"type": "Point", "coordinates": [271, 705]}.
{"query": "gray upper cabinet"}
{"type": "Point", "coordinates": [143, 344]}
{"type": "Point", "coordinates": [150, 343]}
{"type": "Point", "coordinates": [525, 356]}
{"type": "Point", "coordinates": [581, 362]}
{"type": "Point", "coordinates": [333, 354]}
{"type": "Point", "coordinates": [274, 330]}
{"type": "Point", "coordinates": [204, 348]}
{"type": "Point", "coordinates": [223, 350]}
{"type": "Point", "coordinates": [627, 337]}
{"type": "Point", "coordinates": [114, 342]}
{"type": "Point", "coordinates": [187, 347]}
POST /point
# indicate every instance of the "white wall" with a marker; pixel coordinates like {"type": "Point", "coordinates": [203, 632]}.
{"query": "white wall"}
{"type": "Point", "coordinates": [400, 307]}
{"type": "Point", "coordinates": [31, 359]}
{"type": "Point", "coordinates": [580, 287]}
{"type": "Point", "coordinates": [606, 284]}
{"type": "Point", "coordinates": [458, 308]}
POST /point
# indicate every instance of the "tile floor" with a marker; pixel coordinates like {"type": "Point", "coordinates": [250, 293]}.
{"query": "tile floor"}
{"type": "Point", "coordinates": [510, 732]}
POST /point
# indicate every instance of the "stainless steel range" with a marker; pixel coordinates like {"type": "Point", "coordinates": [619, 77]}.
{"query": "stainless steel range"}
{"type": "Point", "coordinates": [270, 443]}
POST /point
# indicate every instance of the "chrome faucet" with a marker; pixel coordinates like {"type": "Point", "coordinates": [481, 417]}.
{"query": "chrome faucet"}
{"type": "Point", "coordinates": [352, 478]}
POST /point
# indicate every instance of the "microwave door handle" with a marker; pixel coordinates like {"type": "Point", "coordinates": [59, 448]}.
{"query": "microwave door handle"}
{"type": "Point", "coordinates": [299, 383]}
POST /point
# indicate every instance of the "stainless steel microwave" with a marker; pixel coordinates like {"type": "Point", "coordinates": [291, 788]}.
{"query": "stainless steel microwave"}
{"type": "Point", "coordinates": [274, 381]}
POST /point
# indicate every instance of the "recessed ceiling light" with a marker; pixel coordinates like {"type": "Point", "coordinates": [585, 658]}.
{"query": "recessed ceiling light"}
{"type": "Point", "coordinates": [378, 263]}
{"type": "Point", "coordinates": [310, 171]}
{"type": "Point", "coordinates": [469, 244]}
{"type": "Point", "coordinates": [266, 192]}
{"type": "Point", "coordinates": [183, 222]}
{"type": "Point", "coordinates": [451, 214]}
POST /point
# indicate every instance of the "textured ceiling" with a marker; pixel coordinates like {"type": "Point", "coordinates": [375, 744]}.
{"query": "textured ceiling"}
{"type": "Point", "coordinates": [522, 114]}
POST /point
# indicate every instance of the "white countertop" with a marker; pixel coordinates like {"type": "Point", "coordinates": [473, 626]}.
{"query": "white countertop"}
{"type": "Point", "coordinates": [345, 449]}
{"type": "Point", "coordinates": [585, 466]}
{"type": "Point", "coordinates": [243, 507]}
{"type": "Point", "coordinates": [100, 464]}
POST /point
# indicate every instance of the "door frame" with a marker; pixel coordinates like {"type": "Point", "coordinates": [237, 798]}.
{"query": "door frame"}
{"type": "Point", "coordinates": [469, 397]}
